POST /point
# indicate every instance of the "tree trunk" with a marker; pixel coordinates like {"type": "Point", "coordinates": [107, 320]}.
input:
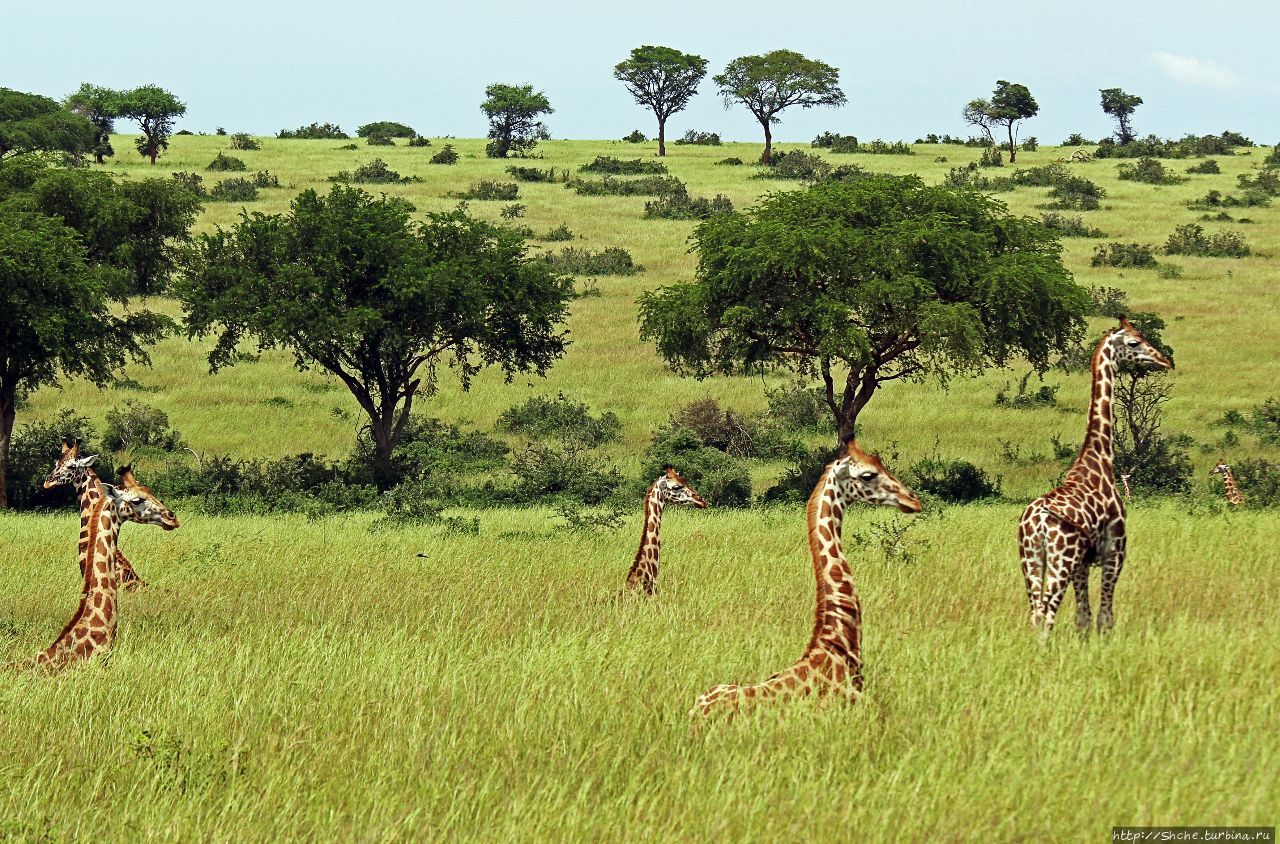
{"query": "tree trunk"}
{"type": "Point", "coordinates": [155, 150]}
{"type": "Point", "coordinates": [8, 409]}
{"type": "Point", "coordinates": [101, 160]}
{"type": "Point", "coordinates": [383, 445]}
{"type": "Point", "coordinates": [768, 143]}
{"type": "Point", "coordinates": [1013, 150]}
{"type": "Point", "coordinates": [662, 138]}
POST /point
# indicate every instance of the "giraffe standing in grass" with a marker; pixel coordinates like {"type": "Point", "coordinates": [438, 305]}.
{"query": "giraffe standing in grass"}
{"type": "Point", "coordinates": [1234, 498]}
{"type": "Point", "coordinates": [92, 627]}
{"type": "Point", "coordinates": [671, 487]}
{"type": "Point", "coordinates": [1128, 494]}
{"type": "Point", "coordinates": [832, 662]}
{"type": "Point", "coordinates": [1082, 522]}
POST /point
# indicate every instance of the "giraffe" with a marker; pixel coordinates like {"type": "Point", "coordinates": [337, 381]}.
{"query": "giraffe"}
{"type": "Point", "coordinates": [1082, 522]}
{"type": "Point", "coordinates": [671, 487]}
{"type": "Point", "coordinates": [1128, 494]}
{"type": "Point", "coordinates": [1234, 497]}
{"type": "Point", "coordinates": [92, 628]}
{"type": "Point", "coordinates": [832, 662]}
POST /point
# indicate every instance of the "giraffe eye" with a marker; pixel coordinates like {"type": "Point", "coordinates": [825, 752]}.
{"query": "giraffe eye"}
{"type": "Point", "coordinates": [1132, 341]}
{"type": "Point", "coordinates": [869, 476]}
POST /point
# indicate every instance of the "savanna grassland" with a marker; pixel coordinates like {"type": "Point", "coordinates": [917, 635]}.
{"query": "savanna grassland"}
{"type": "Point", "coordinates": [319, 679]}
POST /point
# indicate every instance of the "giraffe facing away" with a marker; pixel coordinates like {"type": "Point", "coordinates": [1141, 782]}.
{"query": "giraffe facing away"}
{"type": "Point", "coordinates": [671, 487]}
{"type": "Point", "coordinates": [92, 627]}
{"type": "Point", "coordinates": [1082, 522]}
{"type": "Point", "coordinates": [1234, 496]}
{"type": "Point", "coordinates": [832, 662]}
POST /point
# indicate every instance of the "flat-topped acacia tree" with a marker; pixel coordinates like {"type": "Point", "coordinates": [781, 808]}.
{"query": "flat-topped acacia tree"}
{"type": "Point", "coordinates": [663, 80]}
{"type": "Point", "coordinates": [867, 281]}
{"type": "Point", "coordinates": [775, 81]}
{"type": "Point", "coordinates": [348, 283]}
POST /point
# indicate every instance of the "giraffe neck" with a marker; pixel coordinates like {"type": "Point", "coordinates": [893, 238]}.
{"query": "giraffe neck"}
{"type": "Point", "coordinates": [644, 571]}
{"type": "Point", "coordinates": [1233, 492]}
{"type": "Point", "coordinates": [1099, 445]}
{"type": "Point", "coordinates": [837, 623]}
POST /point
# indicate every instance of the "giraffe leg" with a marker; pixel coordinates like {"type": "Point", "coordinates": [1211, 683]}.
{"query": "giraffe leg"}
{"type": "Point", "coordinates": [1031, 551]}
{"type": "Point", "coordinates": [1059, 563]}
{"type": "Point", "coordinates": [128, 577]}
{"type": "Point", "coordinates": [1080, 581]}
{"type": "Point", "coordinates": [1112, 564]}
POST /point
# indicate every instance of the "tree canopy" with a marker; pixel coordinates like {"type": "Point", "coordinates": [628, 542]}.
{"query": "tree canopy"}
{"type": "Point", "coordinates": [33, 123]}
{"type": "Point", "coordinates": [1011, 103]}
{"type": "Point", "coordinates": [154, 109]}
{"type": "Point", "coordinates": [867, 281]}
{"type": "Point", "coordinates": [100, 106]}
{"type": "Point", "coordinates": [1120, 106]}
{"type": "Point", "coordinates": [348, 283]}
{"type": "Point", "coordinates": [513, 112]}
{"type": "Point", "coordinates": [385, 129]}
{"type": "Point", "coordinates": [663, 80]}
{"type": "Point", "coordinates": [775, 81]}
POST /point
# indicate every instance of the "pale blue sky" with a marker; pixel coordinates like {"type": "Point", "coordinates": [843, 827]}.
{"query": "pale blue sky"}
{"type": "Point", "coordinates": [907, 67]}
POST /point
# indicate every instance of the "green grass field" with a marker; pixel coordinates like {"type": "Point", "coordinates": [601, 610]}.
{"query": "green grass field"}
{"type": "Point", "coordinates": [318, 680]}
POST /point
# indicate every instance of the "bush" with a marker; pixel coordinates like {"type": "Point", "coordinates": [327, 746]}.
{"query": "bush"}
{"type": "Point", "coordinates": [243, 140]}
{"type": "Point", "coordinates": [1123, 255]}
{"type": "Point", "coordinates": [386, 129]}
{"type": "Point", "coordinates": [956, 481]}
{"type": "Point", "coordinates": [1150, 171]}
{"type": "Point", "coordinates": [348, 146]}
{"type": "Point", "coordinates": [681, 206]}
{"type": "Point", "coordinates": [225, 163]}
{"type": "Point", "coordinates": [1217, 199]}
{"type": "Point", "coordinates": [618, 167]}
{"type": "Point", "coordinates": [842, 144]}
{"type": "Point", "coordinates": [991, 157]}
{"type": "Point", "coordinates": [1069, 226]}
{"type": "Point", "coordinates": [1031, 144]}
{"type": "Point", "coordinates": [1186, 147]}
{"type": "Point", "coordinates": [488, 190]}
{"type": "Point", "coordinates": [419, 141]}
{"type": "Point", "coordinates": [643, 186]}
{"type": "Point", "coordinates": [1075, 139]}
{"type": "Point", "coordinates": [611, 261]}
{"type": "Point", "coordinates": [192, 182]}
{"type": "Point", "coordinates": [379, 141]}
{"type": "Point", "coordinates": [1209, 165]}
{"type": "Point", "coordinates": [446, 155]}
{"type": "Point", "coordinates": [32, 452]}
{"type": "Point", "coordinates": [705, 139]}
{"type": "Point", "coordinates": [428, 448]}
{"type": "Point", "coordinates": [534, 174]}
{"type": "Point", "coordinates": [1266, 182]}
{"type": "Point", "coordinates": [1259, 482]}
{"type": "Point", "coordinates": [1075, 194]}
{"type": "Point", "coordinates": [375, 172]}
{"type": "Point", "coordinates": [1110, 302]}
{"type": "Point", "coordinates": [797, 482]}
{"type": "Point", "coordinates": [135, 425]}
{"type": "Point", "coordinates": [316, 131]}
{"type": "Point", "coordinates": [1045, 176]}
{"type": "Point", "coordinates": [719, 478]}
{"type": "Point", "coordinates": [544, 471]}
{"type": "Point", "coordinates": [561, 418]}
{"type": "Point", "coordinates": [559, 233]}
{"type": "Point", "coordinates": [636, 137]}
{"type": "Point", "coordinates": [796, 165]}
{"type": "Point", "coordinates": [234, 190]}
{"type": "Point", "coordinates": [514, 211]}
{"type": "Point", "coordinates": [968, 176]}
{"type": "Point", "coordinates": [265, 179]}
{"type": "Point", "coordinates": [1192, 240]}
{"type": "Point", "coordinates": [795, 407]}
{"type": "Point", "coordinates": [1273, 158]}
{"type": "Point", "coordinates": [731, 161]}
{"type": "Point", "coordinates": [301, 483]}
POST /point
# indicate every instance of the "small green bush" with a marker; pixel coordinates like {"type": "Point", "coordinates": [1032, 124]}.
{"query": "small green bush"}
{"type": "Point", "coordinates": [1209, 165]}
{"type": "Point", "coordinates": [611, 261]}
{"type": "Point", "coordinates": [379, 141]}
{"type": "Point", "coordinates": [446, 155]}
{"type": "Point", "coordinates": [243, 140]}
{"type": "Point", "coordinates": [1191, 239]}
{"type": "Point", "coordinates": [723, 480]}
{"type": "Point", "coordinates": [796, 407]}
{"type": "Point", "coordinates": [225, 163]}
{"type": "Point", "coordinates": [1110, 302]}
{"type": "Point", "coordinates": [1075, 139]}
{"type": "Point", "coordinates": [559, 233]}
{"type": "Point", "coordinates": [265, 179]}
{"type": "Point", "coordinates": [1113, 254]}
{"type": "Point", "coordinates": [618, 167]}
{"type": "Point", "coordinates": [731, 161]}
{"type": "Point", "coordinates": [375, 172]}
{"type": "Point", "coordinates": [1150, 171]}
{"type": "Point", "coordinates": [1069, 226]}
{"type": "Point", "coordinates": [192, 182]}
{"type": "Point", "coordinates": [705, 139]}
{"type": "Point", "coordinates": [991, 157]}
{"type": "Point", "coordinates": [796, 165]}
{"type": "Point", "coordinates": [1031, 144]}
{"type": "Point", "coordinates": [546, 471]}
{"type": "Point", "coordinates": [534, 174]}
{"type": "Point", "coordinates": [643, 186]}
{"type": "Point", "coordinates": [560, 418]}
{"type": "Point", "coordinates": [491, 191]}
{"type": "Point", "coordinates": [316, 131]}
{"type": "Point", "coordinates": [635, 137]}
{"type": "Point", "coordinates": [233, 190]}
{"type": "Point", "coordinates": [956, 481]}
{"type": "Point", "coordinates": [1266, 182]}
{"type": "Point", "coordinates": [386, 129]}
{"type": "Point", "coordinates": [419, 141]}
{"type": "Point", "coordinates": [681, 206]}
{"type": "Point", "coordinates": [135, 425]}
{"type": "Point", "coordinates": [1075, 193]}
{"type": "Point", "coordinates": [1217, 199]}
{"type": "Point", "coordinates": [514, 211]}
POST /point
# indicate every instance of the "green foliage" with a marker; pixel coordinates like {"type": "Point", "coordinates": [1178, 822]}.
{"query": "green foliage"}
{"type": "Point", "coordinates": [32, 123]}
{"type": "Point", "coordinates": [1123, 255]}
{"type": "Point", "coordinates": [662, 80]}
{"type": "Point", "coordinates": [1031, 144]}
{"type": "Point", "coordinates": [32, 451]}
{"type": "Point", "coordinates": [1110, 302]}
{"type": "Point", "coordinates": [559, 233]}
{"type": "Point", "coordinates": [419, 141]}
{"type": "Point", "coordinates": [721, 479]}
{"type": "Point", "coordinates": [1273, 158]}
{"type": "Point", "coordinates": [643, 186]}
{"type": "Point", "coordinates": [513, 112]}
{"type": "Point", "coordinates": [731, 161]}
{"type": "Point", "coordinates": [348, 283]}
{"type": "Point", "coordinates": [842, 144]}
{"type": "Point", "coordinates": [379, 141]}
{"type": "Point", "coordinates": [535, 174]}
{"type": "Point", "coordinates": [635, 137]}
{"type": "Point", "coordinates": [882, 277]}
{"type": "Point", "coordinates": [375, 172]}
{"type": "Point", "coordinates": [1045, 176]}
{"type": "Point", "coordinates": [561, 418]}
{"type": "Point", "coordinates": [955, 481]}
{"type": "Point", "coordinates": [243, 140]}
{"type": "Point", "coordinates": [1209, 165]}
{"type": "Point", "coordinates": [1259, 482]}
{"type": "Point", "coordinates": [545, 471]}
{"type": "Point", "coordinates": [1010, 103]}
{"type": "Point", "coordinates": [619, 167]}
{"type": "Point", "coordinates": [154, 109]}
{"type": "Point", "coordinates": [234, 189]}
{"type": "Point", "coordinates": [1046, 395]}
{"type": "Point", "coordinates": [797, 482]}
{"type": "Point", "coordinates": [136, 425]}
{"type": "Point", "coordinates": [681, 206]}
{"type": "Point", "coordinates": [991, 157]}
{"type": "Point", "coordinates": [1187, 146]}
{"type": "Point", "coordinates": [1154, 461]}
{"type": "Point", "coordinates": [1150, 171]}
{"type": "Point", "coordinates": [1265, 182]}
{"type": "Point", "coordinates": [514, 211]}
{"type": "Point", "coordinates": [1190, 239]}
{"type": "Point", "coordinates": [611, 261]}
{"type": "Point", "coordinates": [222, 163]}
{"type": "Point", "coordinates": [427, 448]}
{"type": "Point", "coordinates": [385, 129]}
{"type": "Point", "coordinates": [265, 179]}
{"type": "Point", "coordinates": [796, 165]}
{"type": "Point", "coordinates": [314, 132]}
{"type": "Point", "coordinates": [796, 407]}
{"type": "Point", "coordinates": [1075, 139]}
{"type": "Point", "coordinates": [692, 137]}
{"type": "Point", "coordinates": [446, 155]}
{"type": "Point", "coordinates": [1120, 107]}
{"type": "Point", "coordinates": [488, 190]}
{"type": "Point", "coordinates": [767, 84]}
{"type": "Point", "coordinates": [100, 106]}
{"type": "Point", "coordinates": [192, 182]}
{"type": "Point", "coordinates": [1069, 226]}
{"type": "Point", "coordinates": [1216, 199]}
{"type": "Point", "coordinates": [1075, 193]}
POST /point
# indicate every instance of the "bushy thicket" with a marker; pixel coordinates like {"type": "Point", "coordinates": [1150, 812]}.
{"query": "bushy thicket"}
{"type": "Point", "coordinates": [562, 418]}
{"type": "Point", "coordinates": [1217, 199]}
{"type": "Point", "coordinates": [315, 131]}
{"type": "Point", "coordinates": [635, 137]}
{"type": "Point", "coordinates": [32, 452]}
{"type": "Point", "coordinates": [1190, 239]}
{"type": "Point", "coordinates": [1258, 481]}
{"type": "Point", "coordinates": [849, 144]}
{"type": "Point", "coordinates": [193, 182]}
{"type": "Point", "coordinates": [1075, 139]}
{"type": "Point", "coordinates": [956, 481]}
{"type": "Point", "coordinates": [956, 140]}
{"type": "Point", "coordinates": [234, 189]}
{"type": "Point", "coordinates": [386, 129]}
{"type": "Point", "coordinates": [1075, 193]}
{"type": "Point", "coordinates": [1265, 182]}
{"type": "Point", "coordinates": [375, 172]}
{"type": "Point", "coordinates": [1069, 226]}
{"type": "Point", "coordinates": [535, 174]}
{"type": "Point", "coordinates": [795, 165]}
{"type": "Point", "coordinates": [379, 141]}
{"type": "Point", "coordinates": [419, 141]}
{"type": "Point", "coordinates": [613, 260]}
{"type": "Point", "coordinates": [731, 161]}
{"type": "Point", "coordinates": [265, 179]}
{"type": "Point", "coordinates": [681, 206]}
{"type": "Point", "coordinates": [1189, 146]}
{"type": "Point", "coordinates": [643, 186]}
{"type": "Point", "coordinates": [489, 190]}
{"type": "Point", "coordinates": [561, 232]}
{"type": "Point", "coordinates": [1149, 170]}
{"type": "Point", "coordinates": [1140, 255]}
{"type": "Point", "coordinates": [223, 163]}
{"type": "Point", "coordinates": [705, 139]}
{"type": "Point", "coordinates": [243, 140]}
{"type": "Point", "coordinates": [446, 155]}
{"type": "Point", "coordinates": [1209, 165]}
{"type": "Point", "coordinates": [135, 425]}
{"type": "Point", "coordinates": [620, 167]}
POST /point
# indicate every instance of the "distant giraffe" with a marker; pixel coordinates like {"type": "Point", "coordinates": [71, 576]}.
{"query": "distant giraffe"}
{"type": "Point", "coordinates": [832, 662]}
{"type": "Point", "coordinates": [92, 627]}
{"type": "Point", "coordinates": [1083, 521]}
{"type": "Point", "coordinates": [671, 487]}
{"type": "Point", "coordinates": [1128, 494]}
{"type": "Point", "coordinates": [1234, 497]}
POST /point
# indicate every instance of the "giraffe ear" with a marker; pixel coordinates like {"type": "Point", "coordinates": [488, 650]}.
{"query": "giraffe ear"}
{"type": "Point", "coordinates": [669, 471]}
{"type": "Point", "coordinates": [125, 473]}
{"type": "Point", "coordinates": [86, 462]}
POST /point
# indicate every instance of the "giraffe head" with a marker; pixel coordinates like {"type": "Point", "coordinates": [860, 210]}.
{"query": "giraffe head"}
{"type": "Point", "coordinates": [70, 467]}
{"type": "Point", "coordinates": [138, 504]}
{"type": "Point", "coordinates": [1221, 469]}
{"type": "Point", "coordinates": [862, 477]}
{"type": "Point", "coordinates": [1129, 346]}
{"type": "Point", "coordinates": [673, 488]}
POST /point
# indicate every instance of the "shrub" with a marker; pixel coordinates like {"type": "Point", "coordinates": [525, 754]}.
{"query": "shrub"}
{"type": "Point", "coordinates": [636, 137]}
{"type": "Point", "coordinates": [1209, 165]}
{"type": "Point", "coordinates": [611, 261]}
{"type": "Point", "coordinates": [618, 167]}
{"type": "Point", "coordinates": [265, 179]}
{"type": "Point", "coordinates": [561, 418]}
{"type": "Point", "coordinates": [1150, 171]}
{"type": "Point", "coordinates": [1217, 199]}
{"type": "Point", "coordinates": [1123, 255]}
{"type": "Point", "coordinates": [559, 233]}
{"type": "Point", "coordinates": [1110, 302]}
{"type": "Point", "coordinates": [428, 448]}
{"type": "Point", "coordinates": [546, 471]}
{"type": "Point", "coordinates": [706, 139]}
{"type": "Point", "coordinates": [135, 425]}
{"type": "Point", "coordinates": [643, 186]}
{"type": "Point", "coordinates": [379, 141]}
{"type": "Point", "coordinates": [1265, 182]}
{"type": "Point", "coordinates": [1168, 271]}
{"type": "Point", "coordinates": [243, 140]}
{"type": "Point", "coordinates": [1031, 144]}
{"type": "Point", "coordinates": [419, 141]}
{"type": "Point", "coordinates": [731, 161]}
{"type": "Point", "coordinates": [233, 190]}
{"type": "Point", "coordinates": [1259, 482]}
{"type": "Point", "coordinates": [1045, 396]}
{"type": "Point", "coordinates": [722, 480]}
{"type": "Point", "coordinates": [1185, 147]}
{"type": "Point", "coordinates": [348, 146]}
{"type": "Point", "coordinates": [795, 407]}
{"type": "Point", "coordinates": [489, 190]}
{"type": "Point", "coordinates": [1264, 419]}
{"type": "Point", "coordinates": [534, 174]}
{"type": "Point", "coordinates": [797, 482]}
{"type": "Point", "coordinates": [1075, 139]}
{"type": "Point", "coordinates": [225, 163]}
{"type": "Point", "coordinates": [513, 211]}
{"type": "Point", "coordinates": [386, 129]}
{"type": "Point", "coordinates": [316, 131]}
{"type": "Point", "coordinates": [991, 157]}
{"type": "Point", "coordinates": [842, 144]}
{"type": "Point", "coordinates": [192, 182]}
{"type": "Point", "coordinates": [952, 480]}
{"type": "Point", "coordinates": [1273, 158]}
{"type": "Point", "coordinates": [1045, 176]}
{"type": "Point", "coordinates": [375, 172]}
{"type": "Point", "coordinates": [1069, 226]}
{"type": "Point", "coordinates": [796, 165]}
{"type": "Point", "coordinates": [1191, 239]}
{"type": "Point", "coordinates": [681, 206]}
{"type": "Point", "coordinates": [1075, 194]}
{"type": "Point", "coordinates": [446, 155]}
{"type": "Point", "coordinates": [968, 176]}
{"type": "Point", "coordinates": [32, 451]}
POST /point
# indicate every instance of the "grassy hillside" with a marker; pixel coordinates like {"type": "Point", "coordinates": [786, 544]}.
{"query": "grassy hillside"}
{"type": "Point", "coordinates": [1221, 319]}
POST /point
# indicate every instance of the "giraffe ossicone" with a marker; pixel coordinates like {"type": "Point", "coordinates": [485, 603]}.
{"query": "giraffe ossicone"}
{"type": "Point", "coordinates": [832, 661]}
{"type": "Point", "coordinates": [670, 487]}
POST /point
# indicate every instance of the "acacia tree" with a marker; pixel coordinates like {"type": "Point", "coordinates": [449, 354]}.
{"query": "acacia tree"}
{"type": "Point", "coordinates": [1010, 103]}
{"type": "Point", "coordinates": [513, 112]}
{"type": "Point", "coordinates": [154, 109]}
{"type": "Point", "coordinates": [775, 81]}
{"type": "Point", "coordinates": [100, 106]}
{"type": "Point", "coordinates": [1120, 106]}
{"type": "Point", "coordinates": [32, 123]}
{"type": "Point", "coordinates": [867, 281]}
{"type": "Point", "coordinates": [978, 114]}
{"type": "Point", "coordinates": [662, 80]}
{"type": "Point", "coordinates": [348, 283]}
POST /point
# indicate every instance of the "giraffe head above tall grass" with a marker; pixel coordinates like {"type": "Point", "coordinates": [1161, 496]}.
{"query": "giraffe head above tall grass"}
{"type": "Point", "coordinates": [70, 467]}
{"type": "Point", "coordinates": [859, 476]}
{"type": "Point", "coordinates": [673, 488]}
{"type": "Point", "coordinates": [138, 504]}
{"type": "Point", "coordinates": [1128, 346]}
